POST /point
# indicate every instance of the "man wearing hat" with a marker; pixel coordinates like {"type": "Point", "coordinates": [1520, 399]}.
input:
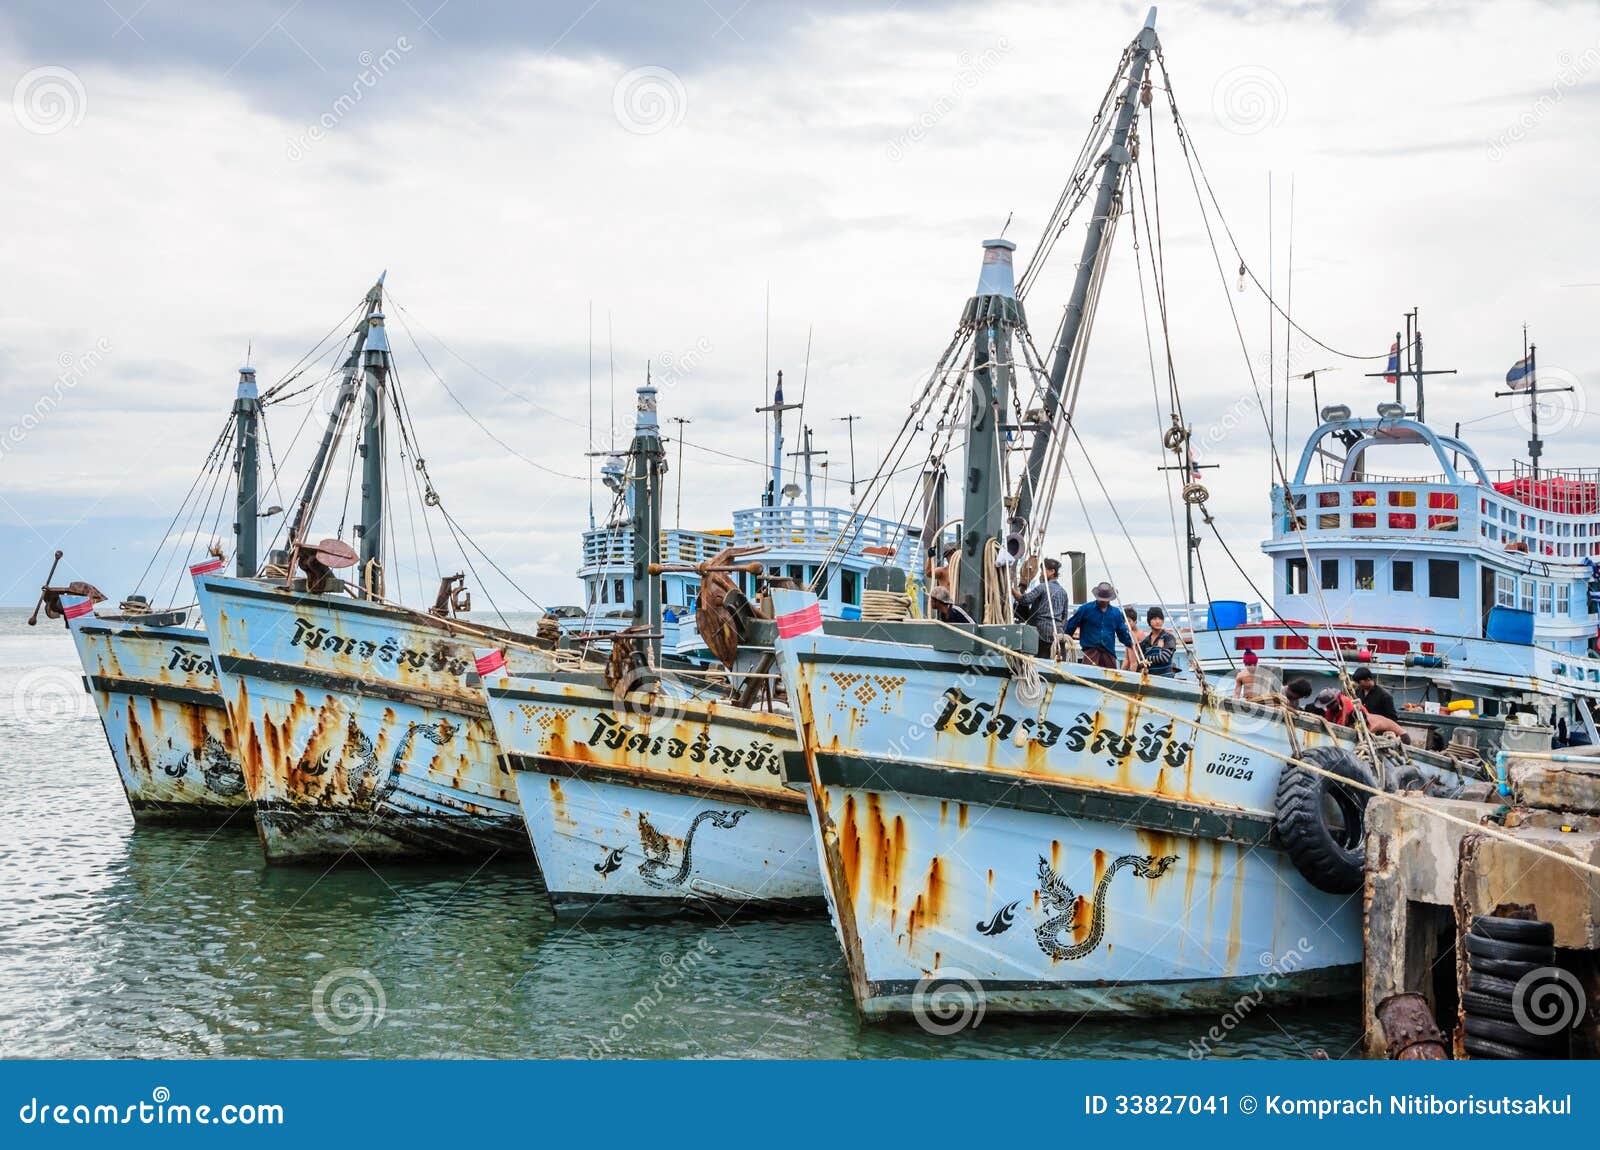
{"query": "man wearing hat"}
{"type": "Point", "coordinates": [1044, 607]}
{"type": "Point", "coordinates": [1374, 698]}
{"type": "Point", "coordinates": [944, 609]}
{"type": "Point", "coordinates": [1098, 625]}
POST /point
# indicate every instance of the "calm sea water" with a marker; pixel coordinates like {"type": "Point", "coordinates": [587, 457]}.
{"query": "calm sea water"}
{"type": "Point", "coordinates": [123, 942]}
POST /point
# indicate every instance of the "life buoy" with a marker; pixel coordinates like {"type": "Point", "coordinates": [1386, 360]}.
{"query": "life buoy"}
{"type": "Point", "coordinates": [1327, 847]}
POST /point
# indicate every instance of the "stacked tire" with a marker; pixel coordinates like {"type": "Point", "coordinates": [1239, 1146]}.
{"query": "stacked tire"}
{"type": "Point", "coordinates": [1501, 954]}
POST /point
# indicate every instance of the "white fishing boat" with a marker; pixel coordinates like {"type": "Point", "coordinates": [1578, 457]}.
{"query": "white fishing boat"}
{"type": "Point", "coordinates": [1059, 837]}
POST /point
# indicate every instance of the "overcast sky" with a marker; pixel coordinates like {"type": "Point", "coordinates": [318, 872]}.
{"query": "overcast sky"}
{"type": "Point", "coordinates": [186, 180]}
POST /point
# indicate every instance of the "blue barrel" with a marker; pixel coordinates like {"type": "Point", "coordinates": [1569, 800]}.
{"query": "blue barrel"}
{"type": "Point", "coordinates": [1223, 614]}
{"type": "Point", "coordinates": [1508, 625]}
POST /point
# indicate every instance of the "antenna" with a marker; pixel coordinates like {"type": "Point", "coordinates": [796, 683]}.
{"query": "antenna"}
{"type": "Point", "coordinates": [850, 423]}
{"type": "Point", "coordinates": [1407, 359]}
{"type": "Point", "coordinates": [611, 356]}
{"type": "Point", "coordinates": [682, 423]}
{"type": "Point", "coordinates": [1528, 369]}
{"type": "Point", "coordinates": [1288, 324]}
{"type": "Point", "coordinates": [589, 454]}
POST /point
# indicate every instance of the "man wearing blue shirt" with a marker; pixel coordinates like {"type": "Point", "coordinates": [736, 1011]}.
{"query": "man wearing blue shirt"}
{"type": "Point", "coordinates": [1098, 625]}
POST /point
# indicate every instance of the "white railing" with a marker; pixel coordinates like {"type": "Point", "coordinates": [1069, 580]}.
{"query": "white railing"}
{"type": "Point", "coordinates": [821, 529]}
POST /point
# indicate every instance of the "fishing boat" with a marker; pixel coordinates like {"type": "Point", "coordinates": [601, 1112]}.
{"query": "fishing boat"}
{"type": "Point", "coordinates": [656, 786]}
{"type": "Point", "coordinates": [1043, 836]}
{"type": "Point", "coordinates": [1471, 594]}
{"type": "Point", "coordinates": [150, 671]}
{"type": "Point", "coordinates": [357, 736]}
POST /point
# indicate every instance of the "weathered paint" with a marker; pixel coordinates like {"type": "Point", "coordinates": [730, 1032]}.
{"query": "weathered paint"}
{"type": "Point", "coordinates": [1050, 910]}
{"type": "Point", "coordinates": [359, 735]}
{"type": "Point", "coordinates": [156, 691]}
{"type": "Point", "coordinates": [654, 803]}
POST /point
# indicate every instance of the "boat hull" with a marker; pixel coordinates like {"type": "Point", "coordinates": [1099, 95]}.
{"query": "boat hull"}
{"type": "Point", "coordinates": [643, 805]}
{"type": "Point", "coordinates": [359, 736]}
{"type": "Point", "coordinates": [162, 713]}
{"type": "Point", "coordinates": [1080, 853]}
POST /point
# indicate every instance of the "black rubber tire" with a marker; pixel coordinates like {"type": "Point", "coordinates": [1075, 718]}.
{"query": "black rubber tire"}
{"type": "Point", "coordinates": [1504, 968]}
{"type": "Point", "coordinates": [1509, 951]}
{"type": "Point", "coordinates": [1483, 1048]}
{"type": "Point", "coordinates": [1526, 931]}
{"type": "Point", "coordinates": [1510, 1034]}
{"type": "Point", "coordinates": [1410, 778]}
{"type": "Point", "coordinates": [1475, 1004]}
{"type": "Point", "coordinates": [1329, 861]}
{"type": "Point", "coordinates": [1492, 985]}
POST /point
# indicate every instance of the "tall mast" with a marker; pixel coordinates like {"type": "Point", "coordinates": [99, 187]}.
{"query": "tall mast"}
{"type": "Point", "coordinates": [993, 312]}
{"type": "Point", "coordinates": [647, 465]}
{"type": "Point", "coordinates": [246, 465]}
{"type": "Point", "coordinates": [306, 506]}
{"type": "Point", "coordinates": [776, 409]}
{"type": "Point", "coordinates": [1116, 160]}
{"type": "Point", "coordinates": [375, 376]}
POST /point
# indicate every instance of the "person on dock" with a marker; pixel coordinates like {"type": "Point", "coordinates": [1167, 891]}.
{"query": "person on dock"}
{"type": "Point", "coordinates": [1374, 698]}
{"type": "Point", "coordinates": [1098, 626]}
{"type": "Point", "coordinates": [944, 609]}
{"type": "Point", "coordinates": [1158, 647]}
{"type": "Point", "coordinates": [1044, 608]}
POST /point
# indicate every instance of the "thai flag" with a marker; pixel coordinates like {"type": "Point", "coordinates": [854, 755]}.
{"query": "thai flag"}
{"type": "Point", "coordinates": [1393, 370]}
{"type": "Point", "coordinates": [1521, 373]}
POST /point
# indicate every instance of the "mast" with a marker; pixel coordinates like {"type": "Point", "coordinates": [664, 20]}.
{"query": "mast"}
{"type": "Point", "coordinates": [776, 409]}
{"type": "Point", "coordinates": [993, 311]}
{"type": "Point", "coordinates": [312, 491]}
{"type": "Point", "coordinates": [1116, 160]}
{"type": "Point", "coordinates": [246, 465]}
{"type": "Point", "coordinates": [375, 376]}
{"type": "Point", "coordinates": [647, 465]}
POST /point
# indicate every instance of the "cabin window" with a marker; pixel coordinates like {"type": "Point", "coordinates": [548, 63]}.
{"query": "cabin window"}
{"type": "Point", "coordinates": [1444, 579]}
{"type": "Point", "coordinates": [1401, 575]}
{"type": "Point", "coordinates": [1327, 499]}
{"type": "Point", "coordinates": [797, 573]}
{"type": "Point", "coordinates": [1525, 595]}
{"type": "Point", "coordinates": [1564, 599]}
{"type": "Point", "coordinates": [617, 594]}
{"type": "Point", "coordinates": [1360, 520]}
{"type": "Point", "coordinates": [1364, 575]}
{"type": "Point", "coordinates": [1403, 520]}
{"type": "Point", "coordinates": [1328, 574]}
{"type": "Point", "coordinates": [1443, 500]}
{"type": "Point", "coordinates": [1402, 499]}
{"type": "Point", "coordinates": [1329, 521]}
{"type": "Point", "coordinates": [1364, 498]}
{"type": "Point", "coordinates": [850, 587]}
{"type": "Point", "coordinates": [1295, 577]}
{"type": "Point", "coordinates": [1505, 590]}
{"type": "Point", "coordinates": [1547, 599]}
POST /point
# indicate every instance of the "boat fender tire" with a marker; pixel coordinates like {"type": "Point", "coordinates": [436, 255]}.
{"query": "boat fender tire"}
{"type": "Point", "coordinates": [1475, 1004]}
{"type": "Point", "coordinates": [1510, 951]}
{"type": "Point", "coordinates": [1492, 985]}
{"type": "Point", "coordinates": [1330, 859]}
{"type": "Point", "coordinates": [1484, 1048]}
{"type": "Point", "coordinates": [1509, 1033]}
{"type": "Point", "coordinates": [1522, 930]}
{"type": "Point", "coordinates": [1504, 968]}
{"type": "Point", "coordinates": [1410, 778]}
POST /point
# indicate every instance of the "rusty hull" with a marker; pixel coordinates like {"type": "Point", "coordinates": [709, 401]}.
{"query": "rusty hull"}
{"type": "Point", "coordinates": [655, 803]}
{"type": "Point", "coordinates": [359, 736]}
{"type": "Point", "coordinates": [157, 694]}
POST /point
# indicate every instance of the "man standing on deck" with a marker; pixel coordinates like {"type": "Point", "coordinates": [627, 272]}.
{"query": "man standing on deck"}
{"type": "Point", "coordinates": [1044, 608]}
{"type": "Point", "coordinates": [1374, 698]}
{"type": "Point", "coordinates": [1098, 625]}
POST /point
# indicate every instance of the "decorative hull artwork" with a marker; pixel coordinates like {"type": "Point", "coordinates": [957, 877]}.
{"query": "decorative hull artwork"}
{"type": "Point", "coordinates": [358, 735]}
{"type": "Point", "coordinates": [153, 683]}
{"type": "Point", "coordinates": [653, 804]}
{"type": "Point", "coordinates": [1073, 852]}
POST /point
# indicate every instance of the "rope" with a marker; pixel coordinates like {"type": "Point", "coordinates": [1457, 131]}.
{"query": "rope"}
{"type": "Point", "coordinates": [1402, 800]}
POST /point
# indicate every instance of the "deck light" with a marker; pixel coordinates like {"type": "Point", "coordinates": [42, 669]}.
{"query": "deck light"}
{"type": "Point", "coordinates": [1335, 413]}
